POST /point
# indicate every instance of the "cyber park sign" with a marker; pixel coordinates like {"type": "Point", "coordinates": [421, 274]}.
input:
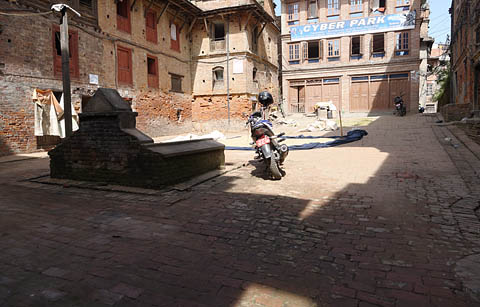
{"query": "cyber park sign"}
{"type": "Point", "coordinates": [393, 22]}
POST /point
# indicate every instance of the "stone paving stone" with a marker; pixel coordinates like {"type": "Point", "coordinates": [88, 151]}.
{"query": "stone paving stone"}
{"type": "Point", "coordinates": [383, 222]}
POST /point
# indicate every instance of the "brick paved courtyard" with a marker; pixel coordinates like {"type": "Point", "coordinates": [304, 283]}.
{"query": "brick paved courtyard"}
{"type": "Point", "coordinates": [379, 222]}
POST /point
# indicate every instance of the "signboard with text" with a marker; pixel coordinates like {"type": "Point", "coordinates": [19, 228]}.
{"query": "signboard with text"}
{"type": "Point", "coordinates": [384, 23]}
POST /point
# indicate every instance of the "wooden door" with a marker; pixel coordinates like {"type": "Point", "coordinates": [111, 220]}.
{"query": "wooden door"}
{"type": "Point", "coordinates": [124, 65]}
{"type": "Point", "coordinates": [359, 97]}
{"type": "Point", "coordinates": [314, 95]}
{"type": "Point", "coordinates": [301, 99]}
{"type": "Point", "coordinates": [379, 96]}
{"type": "Point", "coordinates": [398, 87]}
{"type": "Point", "coordinates": [331, 92]}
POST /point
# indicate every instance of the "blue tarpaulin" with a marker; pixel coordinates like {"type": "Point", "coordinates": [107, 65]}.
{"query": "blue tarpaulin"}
{"type": "Point", "coordinates": [351, 136]}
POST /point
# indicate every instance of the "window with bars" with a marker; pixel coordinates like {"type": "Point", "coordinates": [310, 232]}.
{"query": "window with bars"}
{"type": "Point", "coordinates": [429, 89]}
{"type": "Point", "coordinates": [292, 11]}
{"type": "Point", "coordinates": [312, 9]}
{"type": "Point", "coordinates": [401, 43]}
{"type": "Point", "coordinates": [333, 7]}
{"type": "Point", "coordinates": [333, 47]}
{"type": "Point", "coordinates": [356, 6]}
{"type": "Point", "coordinates": [294, 52]}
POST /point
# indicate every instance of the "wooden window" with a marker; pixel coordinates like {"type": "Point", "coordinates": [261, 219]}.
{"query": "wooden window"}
{"type": "Point", "coordinates": [217, 77]}
{"type": "Point", "coordinates": [312, 51]}
{"type": "Point", "coordinates": [151, 26]}
{"type": "Point", "coordinates": [294, 52]}
{"type": "Point", "coordinates": [312, 9]}
{"type": "Point", "coordinates": [255, 40]}
{"type": "Point", "coordinates": [333, 7]}
{"type": "Point", "coordinates": [402, 5]}
{"type": "Point", "coordinates": [401, 46]}
{"type": "Point", "coordinates": [174, 37]}
{"type": "Point", "coordinates": [333, 48]}
{"type": "Point", "coordinates": [356, 6]}
{"type": "Point", "coordinates": [378, 43]}
{"type": "Point", "coordinates": [429, 89]}
{"type": "Point", "coordinates": [57, 52]}
{"type": "Point", "coordinates": [356, 46]}
{"type": "Point", "coordinates": [378, 6]}
{"type": "Point", "coordinates": [124, 65]}
{"type": "Point", "coordinates": [123, 16]}
{"type": "Point", "coordinates": [292, 11]}
{"type": "Point", "coordinates": [176, 81]}
{"type": "Point", "coordinates": [152, 71]}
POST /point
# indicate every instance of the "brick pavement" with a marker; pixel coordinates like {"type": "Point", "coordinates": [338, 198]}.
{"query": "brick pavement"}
{"type": "Point", "coordinates": [378, 222]}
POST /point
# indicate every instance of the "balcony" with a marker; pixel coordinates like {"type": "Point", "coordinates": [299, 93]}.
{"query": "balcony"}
{"type": "Point", "coordinates": [217, 45]}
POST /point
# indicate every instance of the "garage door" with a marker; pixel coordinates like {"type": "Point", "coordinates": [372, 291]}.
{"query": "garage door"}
{"type": "Point", "coordinates": [379, 93]}
{"type": "Point", "coordinates": [399, 85]}
{"type": "Point", "coordinates": [314, 95]}
{"type": "Point", "coordinates": [331, 91]}
{"type": "Point", "coordinates": [376, 92]}
{"type": "Point", "coordinates": [359, 95]}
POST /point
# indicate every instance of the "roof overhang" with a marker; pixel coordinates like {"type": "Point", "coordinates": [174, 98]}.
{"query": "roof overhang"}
{"type": "Point", "coordinates": [255, 9]}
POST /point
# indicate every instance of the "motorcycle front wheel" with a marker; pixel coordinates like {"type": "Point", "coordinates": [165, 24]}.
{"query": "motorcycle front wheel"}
{"type": "Point", "coordinates": [274, 169]}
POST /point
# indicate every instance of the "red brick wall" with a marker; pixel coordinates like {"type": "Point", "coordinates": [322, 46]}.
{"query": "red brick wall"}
{"type": "Point", "coordinates": [26, 63]}
{"type": "Point", "coordinates": [157, 110]}
{"type": "Point", "coordinates": [207, 108]}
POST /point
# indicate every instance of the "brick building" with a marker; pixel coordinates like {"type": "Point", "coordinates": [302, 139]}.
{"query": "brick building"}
{"type": "Point", "coordinates": [465, 54]}
{"type": "Point", "coordinates": [358, 54]}
{"type": "Point", "coordinates": [163, 56]}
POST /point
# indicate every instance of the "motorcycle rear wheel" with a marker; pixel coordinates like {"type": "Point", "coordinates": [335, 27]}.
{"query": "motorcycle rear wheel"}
{"type": "Point", "coordinates": [274, 169]}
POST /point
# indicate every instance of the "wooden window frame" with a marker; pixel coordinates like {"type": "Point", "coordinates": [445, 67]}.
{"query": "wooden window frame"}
{"type": "Point", "coordinates": [124, 23]}
{"type": "Point", "coordinates": [294, 49]}
{"type": "Point", "coordinates": [152, 79]}
{"type": "Point", "coordinates": [400, 5]}
{"type": "Point", "coordinates": [73, 52]}
{"type": "Point", "coordinates": [305, 53]}
{"type": "Point", "coordinates": [175, 77]}
{"type": "Point", "coordinates": [151, 32]}
{"type": "Point", "coordinates": [309, 10]}
{"type": "Point", "coordinates": [217, 83]}
{"type": "Point", "coordinates": [336, 40]}
{"type": "Point", "coordinates": [130, 70]}
{"type": "Point", "coordinates": [360, 37]}
{"type": "Point", "coordinates": [356, 6]}
{"type": "Point", "coordinates": [334, 10]}
{"type": "Point", "coordinates": [381, 9]}
{"type": "Point", "coordinates": [175, 44]}
{"type": "Point", "coordinates": [402, 39]}
{"type": "Point", "coordinates": [373, 39]}
{"type": "Point", "coordinates": [294, 13]}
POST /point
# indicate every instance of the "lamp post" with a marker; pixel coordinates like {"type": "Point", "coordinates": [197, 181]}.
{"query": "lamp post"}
{"type": "Point", "coordinates": [67, 95]}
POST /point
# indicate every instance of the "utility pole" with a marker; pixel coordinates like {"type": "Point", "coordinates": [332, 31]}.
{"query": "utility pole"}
{"type": "Point", "coordinates": [64, 39]}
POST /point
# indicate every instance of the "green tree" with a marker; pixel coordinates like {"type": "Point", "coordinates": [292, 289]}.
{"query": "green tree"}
{"type": "Point", "coordinates": [442, 94]}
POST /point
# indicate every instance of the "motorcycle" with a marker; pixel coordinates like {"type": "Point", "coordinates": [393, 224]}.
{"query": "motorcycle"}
{"type": "Point", "coordinates": [400, 108]}
{"type": "Point", "coordinates": [267, 144]}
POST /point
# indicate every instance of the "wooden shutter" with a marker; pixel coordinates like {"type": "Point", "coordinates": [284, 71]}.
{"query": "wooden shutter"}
{"type": "Point", "coordinates": [151, 26]}
{"type": "Point", "coordinates": [123, 16]}
{"type": "Point", "coordinates": [175, 43]}
{"type": "Point", "coordinates": [72, 48]}
{"type": "Point", "coordinates": [304, 51]}
{"type": "Point", "coordinates": [152, 71]}
{"type": "Point", "coordinates": [124, 62]}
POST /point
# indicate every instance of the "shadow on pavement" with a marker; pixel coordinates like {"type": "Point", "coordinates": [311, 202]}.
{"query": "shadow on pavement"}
{"type": "Point", "coordinates": [370, 225]}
